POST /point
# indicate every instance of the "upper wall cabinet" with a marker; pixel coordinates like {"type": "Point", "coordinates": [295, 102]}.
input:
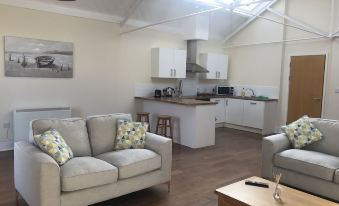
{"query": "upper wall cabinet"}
{"type": "Point", "coordinates": [216, 64]}
{"type": "Point", "coordinates": [168, 63]}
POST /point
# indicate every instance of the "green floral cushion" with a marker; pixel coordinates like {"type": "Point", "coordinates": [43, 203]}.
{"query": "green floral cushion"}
{"type": "Point", "coordinates": [52, 143]}
{"type": "Point", "coordinates": [302, 132]}
{"type": "Point", "coordinates": [131, 135]}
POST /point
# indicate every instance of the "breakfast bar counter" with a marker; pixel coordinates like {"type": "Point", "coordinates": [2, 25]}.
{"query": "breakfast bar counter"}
{"type": "Point", "coordinates": [193, 121]}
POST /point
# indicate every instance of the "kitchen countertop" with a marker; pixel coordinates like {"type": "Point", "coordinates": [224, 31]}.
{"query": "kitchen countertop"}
{"type": "Point", "coordinates": [177, 100]}
{"type": "Point", "coordinates": [231, 97]}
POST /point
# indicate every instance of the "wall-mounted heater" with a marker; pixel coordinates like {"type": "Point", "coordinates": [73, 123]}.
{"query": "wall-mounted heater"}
{"type": "Point", "coordinates": [22, 118]}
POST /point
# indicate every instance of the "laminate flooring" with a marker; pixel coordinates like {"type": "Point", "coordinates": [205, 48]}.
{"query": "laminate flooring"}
{"type": "Point", "coordinates": [196, 173]}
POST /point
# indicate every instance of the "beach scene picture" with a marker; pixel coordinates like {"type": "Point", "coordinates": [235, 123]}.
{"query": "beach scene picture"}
{"type": "Point", "coordinates": [26, 57]}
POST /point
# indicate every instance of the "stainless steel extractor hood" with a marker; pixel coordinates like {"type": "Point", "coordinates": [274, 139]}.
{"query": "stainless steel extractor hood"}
{"type": "Point", "coordinates": [191, 63]}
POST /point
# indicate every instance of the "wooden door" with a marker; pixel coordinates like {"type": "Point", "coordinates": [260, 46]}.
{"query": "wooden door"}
{"type": "Point", "coordinates": [306, 86]}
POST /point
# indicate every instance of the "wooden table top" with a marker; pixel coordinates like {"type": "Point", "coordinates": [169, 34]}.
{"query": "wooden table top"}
{"type": "Point", "coordinates": [241, 194]}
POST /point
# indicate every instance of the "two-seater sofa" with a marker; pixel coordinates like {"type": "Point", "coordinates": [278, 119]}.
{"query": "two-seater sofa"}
{"type": "Point", "coordinates": [314, 168]}
{"type": "Point", "coordinates": [97, 172]}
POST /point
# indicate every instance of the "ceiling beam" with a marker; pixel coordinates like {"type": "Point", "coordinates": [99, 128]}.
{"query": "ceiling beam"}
{"type": "Point", "coordinates": [228, 37]}
{"type": "Point", "coordinates": [130, 11]}
{"type": "Point", "coordinates": [297, 22]}
{"type": "Point", "coordinates": [173, 19]}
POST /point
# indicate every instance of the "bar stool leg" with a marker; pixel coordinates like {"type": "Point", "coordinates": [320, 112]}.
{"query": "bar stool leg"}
{"type": "Point", "coordinates": [170, 127]}
{"type": "Point", "coordinates": [158, 125]}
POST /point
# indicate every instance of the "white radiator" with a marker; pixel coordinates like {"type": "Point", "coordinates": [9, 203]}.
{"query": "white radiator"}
{"type": "Point", "coordinates": [22, 118]}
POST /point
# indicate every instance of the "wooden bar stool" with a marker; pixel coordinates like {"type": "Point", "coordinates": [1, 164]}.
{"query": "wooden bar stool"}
{"type": "Point", "coordinates": [144, 117]}
{"type": "Point", "coordinates": [164, 123]}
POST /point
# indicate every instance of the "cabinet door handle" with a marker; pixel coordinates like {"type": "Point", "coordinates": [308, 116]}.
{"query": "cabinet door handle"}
{"type": "Point", "coordinates": [219, 75]}
{"type": "Point", "coordinates": [216, 75]}
{"type": "Point", "coordinates": [171, 72]}
{"type": "Point", "coordinates": [175, 72]}
{"type": "Point", "coordinates": [226, 102]}
{"type": "Point", "coordinates": [253, 103]}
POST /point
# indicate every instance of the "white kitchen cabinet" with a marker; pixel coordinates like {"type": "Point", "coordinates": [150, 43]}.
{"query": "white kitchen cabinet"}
{"type": "Point", "coordinates": [254, 114]}
{"type": "Point", "coordinates": [168, 63]}
{"type": "Point", "coordinates": [220, 110]}
{"type": "Point", "coordinates": [216, 64]}
{"type": "Point", "coordinates": [234, 111]}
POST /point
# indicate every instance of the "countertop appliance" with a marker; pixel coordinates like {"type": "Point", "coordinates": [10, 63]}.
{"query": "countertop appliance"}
{"type": "Point", "coordinates": [157, 93]}
{"type": "Point", "coordinates": [168, 92]}
{"type": "Point", "coordinates": [224, 90]}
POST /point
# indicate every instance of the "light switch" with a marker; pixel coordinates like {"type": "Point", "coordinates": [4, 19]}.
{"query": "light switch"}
{"type": "Point", "coordinates": [337, 90]}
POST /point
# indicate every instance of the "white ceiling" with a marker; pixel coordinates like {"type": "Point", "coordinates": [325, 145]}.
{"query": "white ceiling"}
{"type": "Point", "coordinates": [222, 22]}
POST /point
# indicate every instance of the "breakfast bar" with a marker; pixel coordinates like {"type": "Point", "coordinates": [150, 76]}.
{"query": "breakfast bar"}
{"type": "Point", "coordinates": [193, 120]}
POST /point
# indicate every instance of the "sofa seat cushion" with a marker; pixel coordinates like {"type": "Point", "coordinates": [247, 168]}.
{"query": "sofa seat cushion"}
{"type": "Point", "coordinates": [85, 172]}
{"type": "Point", "coordinates": [132, 162]}
{"type": "Point", "coordinates": [310, 163]}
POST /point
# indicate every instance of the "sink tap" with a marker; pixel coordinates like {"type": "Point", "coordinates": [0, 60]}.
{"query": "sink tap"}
{"type": "Point", "coordinates": [251, 90]}
{"type": "Point", "coordinates": [180, 85]}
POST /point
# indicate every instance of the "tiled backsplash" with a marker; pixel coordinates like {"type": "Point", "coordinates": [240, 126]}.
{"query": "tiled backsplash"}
{"type": "Point", "coordinates": [192, 85]}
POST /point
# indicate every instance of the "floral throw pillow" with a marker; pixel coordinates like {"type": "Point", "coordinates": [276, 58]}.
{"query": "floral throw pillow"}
{"type": "Point", "coordinates": [52, 143]}
{"type": "Point", "coordinates": [302, 132]}
{"type": "Point", "coordinates": [131, 135]}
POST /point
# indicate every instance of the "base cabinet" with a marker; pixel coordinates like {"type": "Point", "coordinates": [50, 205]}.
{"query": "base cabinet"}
{"type": "Point", "coordinates": [220, 112]}
{"type": "Point", "coordinates": [253, 114]}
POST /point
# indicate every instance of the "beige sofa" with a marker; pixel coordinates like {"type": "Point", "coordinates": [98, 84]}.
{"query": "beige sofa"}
{"type": "Point", "coordinates": [314, 168]}
{"type": "Point", "coordinates": [96, 173]}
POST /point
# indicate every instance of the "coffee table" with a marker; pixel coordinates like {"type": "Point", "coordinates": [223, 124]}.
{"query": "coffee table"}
{"type": "Point", "coordinates": [239, 194]}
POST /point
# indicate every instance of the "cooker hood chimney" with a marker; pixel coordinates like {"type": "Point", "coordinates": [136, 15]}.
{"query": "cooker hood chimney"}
{"type": "Point", "coordinates": [195, 28]}
{"type": "Point", "coordinates": [191, 63]}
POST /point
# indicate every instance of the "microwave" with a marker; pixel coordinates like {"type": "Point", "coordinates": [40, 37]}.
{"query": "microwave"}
{"type": "Point", "coordinates": [224, 90]}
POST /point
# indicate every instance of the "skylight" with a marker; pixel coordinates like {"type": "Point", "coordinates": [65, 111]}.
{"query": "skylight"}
{"type": "Point", "coordinates": [240, 6]}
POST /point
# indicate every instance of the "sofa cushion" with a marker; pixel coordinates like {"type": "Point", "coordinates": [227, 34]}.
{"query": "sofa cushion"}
{"type": "Point", "coordinates": [329, 143]}
{"type": "Point", "coordinates": [52, 143]}
{"type": "Point", "coordinates": [131, 135]}
{"type": "Point", "coordinates": [73, 131]}
{"type": "Point", "coordinates": [132, 162]}
{"type": "Point", "coordinates": [336, 176]}
{"type": "Point", "coordinates": [102, 131]}
{"type": "Point", "coordinates": [302, 132]}
{"type": "Point", "coordinates": [85, 172]}
{"type": "Point", "coordinates": [310, 163]}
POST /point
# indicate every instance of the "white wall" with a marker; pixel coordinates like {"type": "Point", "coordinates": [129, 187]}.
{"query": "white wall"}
{"type": "Point", "coordinates": [268, 64]}
{"type": "Point", "coordinates": [107, 66]}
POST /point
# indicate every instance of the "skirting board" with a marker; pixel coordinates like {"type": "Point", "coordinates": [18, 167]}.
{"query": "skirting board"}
{"type": "Point", "coordinates": [6, 145]}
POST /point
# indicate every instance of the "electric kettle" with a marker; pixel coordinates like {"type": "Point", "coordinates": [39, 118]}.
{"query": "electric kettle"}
{"type": "Point", "coordinates": [168, 92]}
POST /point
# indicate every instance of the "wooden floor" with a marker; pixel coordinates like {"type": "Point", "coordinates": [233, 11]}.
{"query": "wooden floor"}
{"type": "Point", "coordinates": [195, 176]}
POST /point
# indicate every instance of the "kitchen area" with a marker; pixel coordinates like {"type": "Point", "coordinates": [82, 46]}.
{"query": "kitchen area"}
{"type": "Point", "coordinates": [200, 98]}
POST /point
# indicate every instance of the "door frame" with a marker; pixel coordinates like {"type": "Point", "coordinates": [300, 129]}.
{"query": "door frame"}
{"type": "Point", "coordinates": [289, 73]}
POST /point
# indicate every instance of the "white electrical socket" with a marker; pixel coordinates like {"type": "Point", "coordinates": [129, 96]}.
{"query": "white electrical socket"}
{"type": "Point", "coordinates": [336, 90]}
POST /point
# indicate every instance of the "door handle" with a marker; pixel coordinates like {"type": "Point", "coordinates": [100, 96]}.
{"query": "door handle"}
{"type": "Point", "coordinates": [316, 98]}
{"type": "Point", "coordinates": [253, 103]}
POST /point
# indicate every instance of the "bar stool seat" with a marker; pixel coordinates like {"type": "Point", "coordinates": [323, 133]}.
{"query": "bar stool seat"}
{"type": "Point", "coordinates": [164, 123]}
{"type": "Point", "coordinates": [144, 117]}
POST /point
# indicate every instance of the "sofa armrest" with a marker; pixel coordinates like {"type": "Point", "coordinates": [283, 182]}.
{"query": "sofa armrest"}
{"type": "Point", "coordinates": [36, 175]}
{"type": "Point", "coordinates": [272, 145]}
{"type": "Point", "coordinates": [162, 146]}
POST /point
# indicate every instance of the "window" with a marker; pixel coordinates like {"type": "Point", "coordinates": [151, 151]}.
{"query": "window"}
{"type": "Point", "coordinates": [246, 7]}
